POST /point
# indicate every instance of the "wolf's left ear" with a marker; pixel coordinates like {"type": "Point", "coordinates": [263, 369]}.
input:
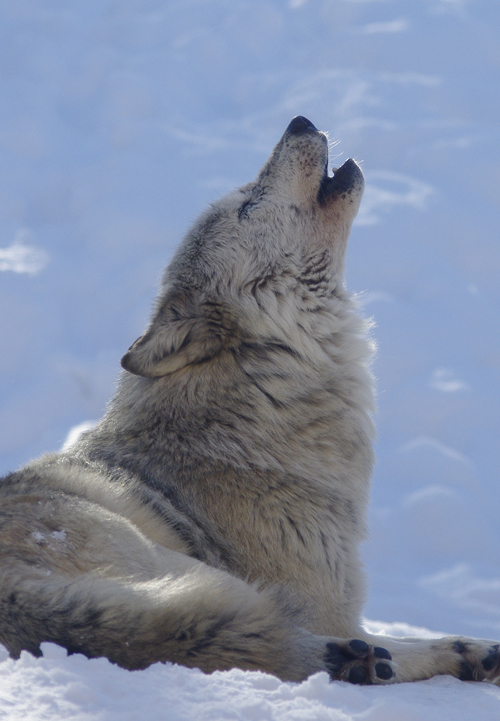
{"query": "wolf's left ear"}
{"type": "Point", "coordinates": [179, 335]}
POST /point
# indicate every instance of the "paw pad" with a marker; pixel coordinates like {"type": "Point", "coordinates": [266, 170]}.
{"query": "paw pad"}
{"type": "Point", "coordinates": [384, 671]}
{"type": "Point", "coordinates": [357, 674]}
{"type": "Point", "coordinates": [358, 646]}
{"type": "Point", "coordinates": [491, 660]}
{"type": "Point", "coordinates": [357, 662]}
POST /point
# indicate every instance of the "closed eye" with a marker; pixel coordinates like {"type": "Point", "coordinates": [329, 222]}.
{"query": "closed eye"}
{"type": "Point", "coordinates": [251, 203]}
{"type": "Point", "coordinates": [243, 210]}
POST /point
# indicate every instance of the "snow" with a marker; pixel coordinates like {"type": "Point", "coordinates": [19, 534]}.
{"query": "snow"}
{"type": "Point", "coordinates": [60, 687]}
{"type": "Point", "coordinates": [120, 121]}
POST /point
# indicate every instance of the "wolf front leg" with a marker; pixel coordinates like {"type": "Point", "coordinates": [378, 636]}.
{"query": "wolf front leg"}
{"type": "Point", "coordinates": [193, 615]}
{"type": "Point", "coordinates": [467, 659]}
{"type": "Point", "coordinates": [199, 616]}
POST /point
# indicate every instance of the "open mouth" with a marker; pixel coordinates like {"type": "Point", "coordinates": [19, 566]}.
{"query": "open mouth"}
{"type": "Point", "coordinates": [343, 180]}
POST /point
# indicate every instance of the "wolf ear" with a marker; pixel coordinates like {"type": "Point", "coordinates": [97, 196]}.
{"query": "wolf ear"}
{"type": "Point", "coordinates": [179, 335]}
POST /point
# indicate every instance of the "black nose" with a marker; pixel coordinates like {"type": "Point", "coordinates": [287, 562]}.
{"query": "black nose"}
{"type": "Point", "coordinates": [300, 125]}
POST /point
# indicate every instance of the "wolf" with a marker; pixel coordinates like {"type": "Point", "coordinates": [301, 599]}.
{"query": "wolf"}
{"type": "Point", "coordinates": [213, 517]}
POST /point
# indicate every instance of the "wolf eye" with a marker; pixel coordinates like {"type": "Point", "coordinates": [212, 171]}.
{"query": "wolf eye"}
{"type": "Point", "coordinates": [256, 196]}
{"type": "Point", "coordinates": [246, 207]}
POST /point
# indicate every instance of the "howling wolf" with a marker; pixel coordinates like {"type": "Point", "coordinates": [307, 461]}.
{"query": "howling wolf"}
{"type": "Point", "coordinates": [213, 517]}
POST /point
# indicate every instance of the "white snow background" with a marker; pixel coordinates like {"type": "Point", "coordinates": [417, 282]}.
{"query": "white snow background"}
{"type": "Point", "coordinates": [120, 120]}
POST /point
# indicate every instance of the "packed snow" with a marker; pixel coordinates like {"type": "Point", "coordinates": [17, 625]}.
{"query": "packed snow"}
{"type": "Point", "coordinates": [120, 122]}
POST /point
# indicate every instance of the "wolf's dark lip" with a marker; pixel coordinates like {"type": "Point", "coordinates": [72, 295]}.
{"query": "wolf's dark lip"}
{"type": "Point", "coordinates": [343, 180]}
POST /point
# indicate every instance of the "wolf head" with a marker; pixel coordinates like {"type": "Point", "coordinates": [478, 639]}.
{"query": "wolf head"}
{"type": "Point", "coordinates": [260, 261]}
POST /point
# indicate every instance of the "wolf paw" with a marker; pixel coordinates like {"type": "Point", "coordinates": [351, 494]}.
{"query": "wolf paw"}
{"type": "Point", "coordinates": [480, 660]}
{"type": "Point", "coordinates": [357, 662]}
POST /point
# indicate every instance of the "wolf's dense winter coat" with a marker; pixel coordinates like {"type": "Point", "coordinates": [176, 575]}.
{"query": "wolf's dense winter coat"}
{"type": "Point", "coordinates": [213, 517]}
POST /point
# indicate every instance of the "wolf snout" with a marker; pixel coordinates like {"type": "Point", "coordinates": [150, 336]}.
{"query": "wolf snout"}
{"type": "Point", "coordinates": [300, 124]}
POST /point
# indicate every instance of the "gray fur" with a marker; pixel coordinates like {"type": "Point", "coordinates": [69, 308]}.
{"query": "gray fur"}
{"type": "Point", "coordinates": [213, 517]}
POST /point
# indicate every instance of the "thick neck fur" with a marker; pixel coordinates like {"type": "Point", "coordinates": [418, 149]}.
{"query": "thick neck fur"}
{"type": "Point", "coordinates": [269, 403]}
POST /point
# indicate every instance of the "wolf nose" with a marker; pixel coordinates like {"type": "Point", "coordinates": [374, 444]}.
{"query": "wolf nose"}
{"type": "Point", "coordinates": [300, 124]}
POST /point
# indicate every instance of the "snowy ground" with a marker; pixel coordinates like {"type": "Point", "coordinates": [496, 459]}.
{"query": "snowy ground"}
{"type": "Point", "coordinates": [120, 121]}
{"type": "Point", "coordinates": [57, 687]}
